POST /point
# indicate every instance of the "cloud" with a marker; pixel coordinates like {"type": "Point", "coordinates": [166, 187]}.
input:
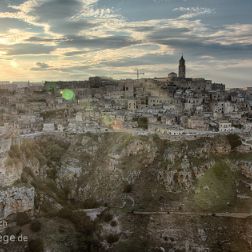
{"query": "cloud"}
{"type": "Point", "coordinates": [145, 60]}
{"type": "Point", "coordinates": [40, 66]}
{"type": "Point", "coordinates": [55, 10]}
{"type": "Point", "coordinates": [164, 33]}
{"type": "Point", "coordinates": [191, 12]}
{"type": "Point", "coordinates": [42, 40]}
{"type": "Point", "coordinates": [71, 27]}
{"type": "Point", "coordinates": [21, 10]}
{"type": "Point", "coordinates": [5, 5]}
{"type": "Point", "coordinates": [69, 17]}
{"type": "Point", "coordinates": [25, 48]}
{"type": "Point", "coordinates": [197, 39]}
{"type": "Point", "coordinates": [233, 34]}
{"type": "Point", "coordinates": [75, 53]}
{"type": "Point", "coordinates": [98, 42]}
{"type": "Point", "coordinates": [13, 23]}
{"type": "Point", "coordinates": [198, 47]}
{"type": "Point", "coordinates": [14, 36]}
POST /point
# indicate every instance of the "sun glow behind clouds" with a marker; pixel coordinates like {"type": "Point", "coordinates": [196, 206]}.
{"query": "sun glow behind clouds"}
{"type": "Point", "coordinates": [14, 36]}
{"type": "Point", "coordinates": [14, 64]}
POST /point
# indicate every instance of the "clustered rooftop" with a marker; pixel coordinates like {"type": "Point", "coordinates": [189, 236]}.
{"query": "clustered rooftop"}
{"type": "Point", "coordinates": [173, 105]}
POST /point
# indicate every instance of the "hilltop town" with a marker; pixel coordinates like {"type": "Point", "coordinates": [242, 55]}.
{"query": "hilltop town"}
{"type": "Point", "coordinates": [157, 163]}
{"type": "Point", "coordinates": [170, 107]}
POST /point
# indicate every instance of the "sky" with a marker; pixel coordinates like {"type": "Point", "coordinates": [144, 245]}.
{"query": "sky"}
{"type": "Point", "coordinates": [75, 39]}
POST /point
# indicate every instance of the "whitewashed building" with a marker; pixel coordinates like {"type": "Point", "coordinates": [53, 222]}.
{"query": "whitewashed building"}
{"type": "Point", "coordinates": [225, 126]}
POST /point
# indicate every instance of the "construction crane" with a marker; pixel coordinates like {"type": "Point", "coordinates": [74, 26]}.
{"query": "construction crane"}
{"type": "Point", "coordinates": [139, 73]}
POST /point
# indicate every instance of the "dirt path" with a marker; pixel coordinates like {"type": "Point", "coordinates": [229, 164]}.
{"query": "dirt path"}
{"type": "Point", "coordinates": [228, 215]}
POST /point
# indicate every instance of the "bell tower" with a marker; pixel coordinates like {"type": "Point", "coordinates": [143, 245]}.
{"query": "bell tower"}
{"type": "Point", "coordinates": [182, 68]}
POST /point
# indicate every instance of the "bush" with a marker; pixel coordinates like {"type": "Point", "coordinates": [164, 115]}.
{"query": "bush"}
{"type": "Point", "coordinates": [36, 245]}
{"type": "Point", "coordinates": [52, 173]}
{"type": "Point", "coordinates": [83, 223]}
{"type": "Point", "coordinates": [66, 190]}
{"type": "Point", "coordinates": [112, 238]}
{"type": "Point", "coordinates": [62, 229]}
{"type": "Point", "coordinates": [54, 152]}
{"type": "Point", "coordinates": [35, 226]}
{"type": "Point", "coordinates": [13, 231]}
{"type": "Point", "coordinates": [107, 217]}
{"type": "Point", "coordinates": [90, 203]}
{"type": "Point", "coordinates": [15, 152]}
{"type": "Point", "coordinates": [234, 140]}
{"type": "Point", "coordinates": [65, 213]}
{"type": "Point", "coordinates": [133, 245]}
{"type": "Point", "coordinates": [22, 219]}
{"type": "Point", "coordinates": [113, 223]}
{"type": "Point", "coordinates": [128, 188]}
{"type": "Point", "coordinates": [80, 220]}
{"type": "Point", "coordinates": [142, 122]}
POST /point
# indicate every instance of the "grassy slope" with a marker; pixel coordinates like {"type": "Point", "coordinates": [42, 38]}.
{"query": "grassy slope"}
{"type": "Point", "coordinates": [216, 188]}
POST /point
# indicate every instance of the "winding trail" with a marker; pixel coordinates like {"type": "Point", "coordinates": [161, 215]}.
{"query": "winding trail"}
{"type": "Point", "coordinates": [246, 142]}
{"type": "Point", "coordinates": [228, 215]}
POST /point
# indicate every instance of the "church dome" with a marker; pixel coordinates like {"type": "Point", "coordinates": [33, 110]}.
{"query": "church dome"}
{"type": "Point", "coordinates": [172, 75]}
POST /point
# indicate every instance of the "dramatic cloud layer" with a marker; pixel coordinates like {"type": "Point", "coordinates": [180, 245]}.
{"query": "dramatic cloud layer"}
{"type": "Point", "coordinates": [73, 39]}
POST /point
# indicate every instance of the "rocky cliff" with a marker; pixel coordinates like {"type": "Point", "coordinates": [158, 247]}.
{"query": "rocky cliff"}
{"type": "Point", "coordinates": [156, 195]}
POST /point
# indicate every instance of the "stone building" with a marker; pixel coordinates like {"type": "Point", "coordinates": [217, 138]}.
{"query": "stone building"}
{"type": "Point", "coordinates": [225, 126]}
{"type": "Point", "coordinates": [196, 122]}
{"type": "Point", "coordinates": [48, 127]}
{"type": "Point", "coordinates": [132, 104]}
{"type": "Point", "coordinates": [154, 101]}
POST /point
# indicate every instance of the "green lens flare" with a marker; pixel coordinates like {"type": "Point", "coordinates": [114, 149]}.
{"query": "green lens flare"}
{"type": "Point", "coordinates": [68, 94]}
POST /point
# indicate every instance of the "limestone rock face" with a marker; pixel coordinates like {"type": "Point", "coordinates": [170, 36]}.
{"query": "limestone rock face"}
{"type": "Point", "coordinates": [5, 144]}
{"type": "Point", "coordinates": [101, 165]}
{"type": "Point", "coordinates": [9, 172]}
{"type": "Point", "coordinates": [16, 199]}
{"type": "Point", "coordinates": [246, 169]}
{"type": "Point", "coordinates": [129, 172]}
